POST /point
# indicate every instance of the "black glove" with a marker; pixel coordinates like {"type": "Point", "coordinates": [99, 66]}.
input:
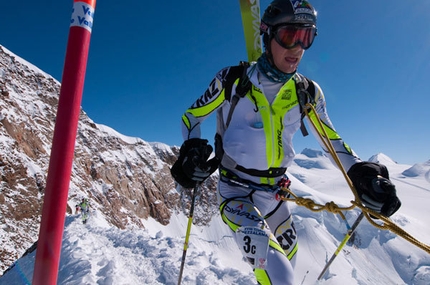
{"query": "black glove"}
{"type": "Point", "coordinates": [192, 165]}
{"type": "Point", "coordinates": [371, 180]}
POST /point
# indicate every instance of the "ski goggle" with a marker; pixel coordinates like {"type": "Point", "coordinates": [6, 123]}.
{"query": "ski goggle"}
{"type": "Point", "coordinates": [289, 36]}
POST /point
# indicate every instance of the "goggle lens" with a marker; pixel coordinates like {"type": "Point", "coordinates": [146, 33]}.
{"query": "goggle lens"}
{"type": "Point", "coordinates": [289, 36]}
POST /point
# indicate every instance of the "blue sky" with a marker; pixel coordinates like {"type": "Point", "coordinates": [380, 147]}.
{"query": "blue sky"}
{"type": "Point", "coordinates": [149, 60]}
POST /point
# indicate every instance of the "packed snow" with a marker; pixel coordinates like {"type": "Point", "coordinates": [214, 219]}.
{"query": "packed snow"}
{"type": "Point", "coordinates": [97, 253]}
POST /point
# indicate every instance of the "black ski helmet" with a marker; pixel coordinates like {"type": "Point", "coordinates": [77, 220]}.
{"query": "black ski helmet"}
{"type": "Point", "coordinates": [287, 12]}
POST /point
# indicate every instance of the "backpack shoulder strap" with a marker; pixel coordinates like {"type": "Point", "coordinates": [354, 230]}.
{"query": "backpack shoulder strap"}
{"type": "Point", "coordinates": [305, 89]}
{"type": "Point", "coordinates": [242, 88]}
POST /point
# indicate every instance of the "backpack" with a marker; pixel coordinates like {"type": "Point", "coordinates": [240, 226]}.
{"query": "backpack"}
{"type": "Point", "coordinates": [305, 90]}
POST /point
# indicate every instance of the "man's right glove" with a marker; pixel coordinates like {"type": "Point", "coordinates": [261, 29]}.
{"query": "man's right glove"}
{"type": "Point", "coordinates": [371, 180]}
{"type": "Point", "coordinates": [192, 165]}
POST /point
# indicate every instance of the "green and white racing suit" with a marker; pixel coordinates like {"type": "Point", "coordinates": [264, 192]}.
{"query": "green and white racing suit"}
{"type": "Point", "coordinates": [257, 149]}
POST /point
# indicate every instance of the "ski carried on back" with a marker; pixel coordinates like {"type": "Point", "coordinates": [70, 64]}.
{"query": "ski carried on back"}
{"type": "Point", "coordinates": [250, 11]}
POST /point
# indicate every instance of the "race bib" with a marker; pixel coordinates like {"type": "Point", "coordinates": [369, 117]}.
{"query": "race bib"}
{"type": "Point", "coordinates": [254, 244]}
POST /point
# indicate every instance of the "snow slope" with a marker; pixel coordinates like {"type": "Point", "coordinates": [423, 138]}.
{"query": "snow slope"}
{"type": "Point", "coordinates": [97, 253]}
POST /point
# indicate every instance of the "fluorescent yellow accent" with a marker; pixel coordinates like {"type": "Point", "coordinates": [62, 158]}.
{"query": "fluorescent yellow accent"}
{"type": "Point", "coordinates": [268, 180]}
{"type": "Point", "coordinates": [186, 121]}
{"type": "Point", "coordinates": [293, 252]}
{"type": "Point", "coordinates": [348, 148]}
{"type": "Point", "coordinates": [262, 276]}
{"type": "Point", "coordinates": [275, 245]}
{"type": "Point", "coordinates": [232, 225]}
{"type": "Point", "coordinates": [207, 108]}
{"type": "Point", "coordinates": [250, 11]}
{"type": "Point", "coordinates": [272, 117]}
{"type": "Point", "coordinates": [187, 235]}
{"type": "Point", "coordinates": [330, 132]}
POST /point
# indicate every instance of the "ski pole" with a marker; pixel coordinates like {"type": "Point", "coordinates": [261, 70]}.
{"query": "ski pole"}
{"type": "Point", "coordinates": [187, 234]}
{"type": "Point", "coordinates": [342, 244]}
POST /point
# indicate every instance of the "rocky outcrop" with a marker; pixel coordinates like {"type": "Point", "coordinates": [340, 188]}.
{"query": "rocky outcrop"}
{"type": "Point", "coordinates": [127, 179]}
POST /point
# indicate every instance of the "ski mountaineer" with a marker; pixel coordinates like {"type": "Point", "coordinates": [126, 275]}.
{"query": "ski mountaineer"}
{"type": "Point", "coordinates": [253, 145]}
{"type": "Point", "coordinates": [84, 207]}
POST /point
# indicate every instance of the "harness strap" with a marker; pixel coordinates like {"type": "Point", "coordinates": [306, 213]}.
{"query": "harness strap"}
{"type": "Point", "coordinates": [270, 173]}
{"type": "Point", "coordinates": [232, 179]}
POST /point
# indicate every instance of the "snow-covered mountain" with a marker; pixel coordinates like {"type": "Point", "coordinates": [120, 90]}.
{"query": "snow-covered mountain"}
{"type": "Point", "coordinates": [126, 179]}
{"type": "Point", "coordinates": [136, 230]}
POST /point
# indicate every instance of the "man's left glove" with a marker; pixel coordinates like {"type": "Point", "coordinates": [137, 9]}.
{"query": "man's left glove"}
{"type": "Point", "coordinates": [192, 165]}
{"type": "Point", "coordinates": [371, 180]}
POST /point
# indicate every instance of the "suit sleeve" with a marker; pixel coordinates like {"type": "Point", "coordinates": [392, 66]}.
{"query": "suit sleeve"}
{"type": "Point", "coordinates": [212, 99]}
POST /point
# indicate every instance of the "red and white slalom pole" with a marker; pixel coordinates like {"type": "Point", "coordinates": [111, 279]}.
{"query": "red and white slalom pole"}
{"type": "Point", "coordinates": [63, 144]}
